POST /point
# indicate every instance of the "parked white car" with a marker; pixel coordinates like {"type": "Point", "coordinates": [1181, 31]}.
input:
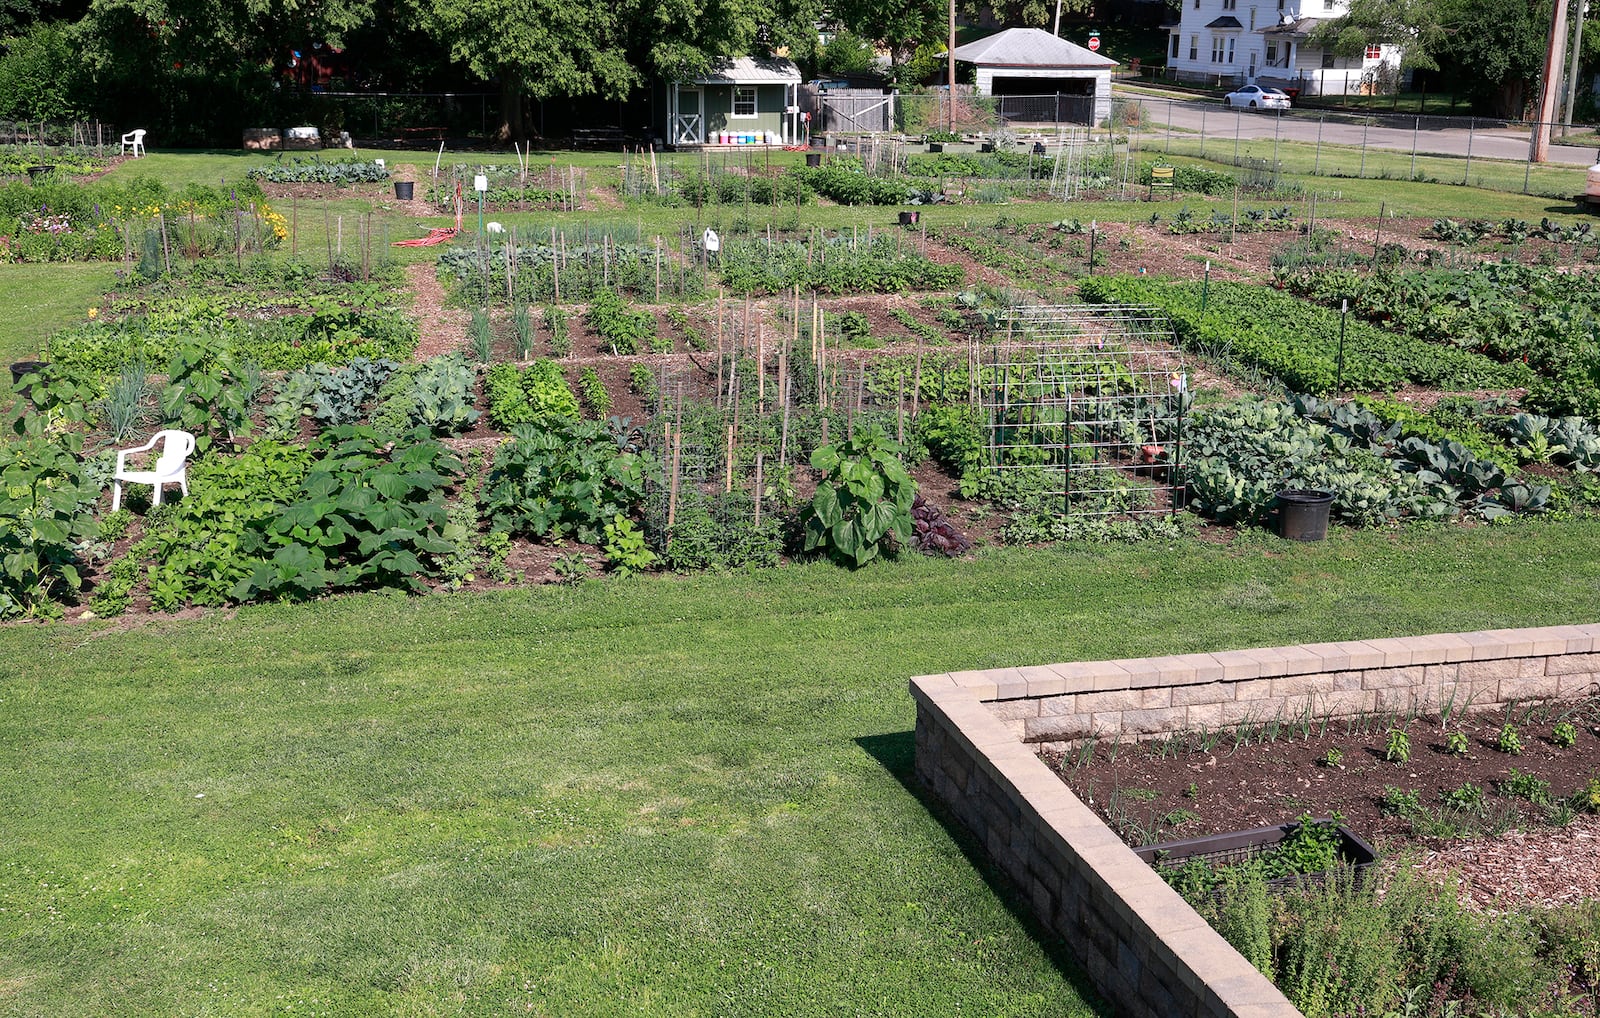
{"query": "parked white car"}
{"type": "Point", "coordinates": [1254, 97]}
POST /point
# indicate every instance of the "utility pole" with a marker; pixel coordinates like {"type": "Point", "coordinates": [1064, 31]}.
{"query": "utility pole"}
{"type": "Point", "coordinates": [1572, 72]}
{"type": "Point", "coordinates": [951, 126]}
{"type": "Point", "coordinates": [1550, 84]}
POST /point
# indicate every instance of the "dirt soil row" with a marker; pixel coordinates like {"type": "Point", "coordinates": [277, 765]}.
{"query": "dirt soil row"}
{"type": "Point", "coordinates": [1151, 794]}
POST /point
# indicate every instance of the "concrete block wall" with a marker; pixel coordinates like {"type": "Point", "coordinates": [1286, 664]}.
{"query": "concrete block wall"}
{"type": "Point", "coordinates": [1143, 947]}
{"type": "Point", "coordinates": [1145, 697]}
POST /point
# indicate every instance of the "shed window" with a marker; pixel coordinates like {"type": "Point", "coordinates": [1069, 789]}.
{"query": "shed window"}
{"type": "Point", "coordinates": [1374, 52]}
{"type": "Point", "coordinates": [744, 100]}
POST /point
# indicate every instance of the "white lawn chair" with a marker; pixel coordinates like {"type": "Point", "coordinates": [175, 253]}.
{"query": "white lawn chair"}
{"type": "Point", "coordinates": [171, 467]}
{"type": "Point", "coordinates": [134, 140]}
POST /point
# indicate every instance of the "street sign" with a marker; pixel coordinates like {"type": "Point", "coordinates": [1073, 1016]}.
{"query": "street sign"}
{"type": "Point", "coordinates": [1094, 41]}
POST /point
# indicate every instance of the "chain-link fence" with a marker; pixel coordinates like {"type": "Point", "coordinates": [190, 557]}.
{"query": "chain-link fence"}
{"type": "Point", "coordinates": [1473, 151]}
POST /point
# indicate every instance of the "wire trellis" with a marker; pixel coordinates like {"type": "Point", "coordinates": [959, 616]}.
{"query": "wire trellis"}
{"type": "Point", "coordinates": [1093, 400]}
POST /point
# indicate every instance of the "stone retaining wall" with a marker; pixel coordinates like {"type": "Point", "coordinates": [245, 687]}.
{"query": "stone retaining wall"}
{"type": "Point", "coordinates": [1144, 948]}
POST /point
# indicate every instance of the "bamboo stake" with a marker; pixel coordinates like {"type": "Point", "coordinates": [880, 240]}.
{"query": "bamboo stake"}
{"type": "Point", "coordinates": [758, 490]}
{"type": "Point", "coordinates": [727, 484]}
{"type": "Point", "coordinates": [761, 367]}
{"type": "Point", "coordinates": [672, 494]}
{"type": "Point", "coordinates": [916, 383]}
{"type": "Point", "coordinates": [783, 438]}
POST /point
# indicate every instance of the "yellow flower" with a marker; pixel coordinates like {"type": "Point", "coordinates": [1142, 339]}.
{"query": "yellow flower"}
{"type": "Point", "coordinates": [93, 312]}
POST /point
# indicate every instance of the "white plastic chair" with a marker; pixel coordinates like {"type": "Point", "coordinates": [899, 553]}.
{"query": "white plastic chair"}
{"type": "Point", "coordinates": [171, 467]}
{"type": "Point", "coordinates": [135, 141]}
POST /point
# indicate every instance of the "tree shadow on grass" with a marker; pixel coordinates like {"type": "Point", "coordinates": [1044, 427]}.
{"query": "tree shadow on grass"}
{"type": "Point", "coordinates": [897, 753]}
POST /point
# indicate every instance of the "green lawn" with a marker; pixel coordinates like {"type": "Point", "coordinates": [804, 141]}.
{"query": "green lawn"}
{"type": "Point", "coordinates": [39, 299]}
{"type": "Point", "coordinates": [674, 796]}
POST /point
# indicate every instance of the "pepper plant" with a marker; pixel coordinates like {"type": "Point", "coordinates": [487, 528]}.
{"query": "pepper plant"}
{"type": "Point", "coordinates": [862, 507]}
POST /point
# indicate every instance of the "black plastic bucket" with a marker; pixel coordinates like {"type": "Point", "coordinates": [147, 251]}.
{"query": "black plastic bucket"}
{"type": "Point", "coordinates": [38, 172]}
{"type": "Point", "coordinates": [1303, 514]}
{"type": "Point", "coordinates": [813, 158]}
{"type": "Point", "coordinates": [21, 369]}
{"type": "Point", "coordinates": [909, 218]}
{"type": "Point", "coordinates": [403, 189]}
{"type": "Point", "coordinates": [987, 146]}
{"type": "Point", "coordinates": [935, 146]}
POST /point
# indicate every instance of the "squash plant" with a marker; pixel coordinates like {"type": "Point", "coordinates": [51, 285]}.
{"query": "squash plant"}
{"type": "Point", "coordinates": [862, 507]}
{"type": "Point", "coordinates": [370, 513]}
{"type": "Point", "coordinates": [563, 477]}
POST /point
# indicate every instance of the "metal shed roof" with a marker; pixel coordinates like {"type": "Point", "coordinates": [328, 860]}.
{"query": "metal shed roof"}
{"type": "Point", "coordinates": [750, 71]}
{"type": "Point", "coordinates": [1029, 47]}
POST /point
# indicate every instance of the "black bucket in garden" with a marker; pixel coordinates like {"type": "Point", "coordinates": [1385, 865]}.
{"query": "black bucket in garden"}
{"type": "Point", "coordinates": [909, 218]}
{"type": "Point", "coordinates": [935, 146]}
{"type": "Point", "coordinates": [403, 189]}
{"type": "Point", "coordinates": [21, 369]}
{"type": "Point", "coordinates": [987, 146]}
{"type": "Point", "coordinates": [35, 172]}
{"type": "Point", "coordinates": [813, 158]}
{"type": "Point", "coordinates": [1303, 514]}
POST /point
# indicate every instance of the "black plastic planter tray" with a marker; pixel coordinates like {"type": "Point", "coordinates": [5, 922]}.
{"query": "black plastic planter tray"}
{"type": "Point", "coordinates": [1220, 850]}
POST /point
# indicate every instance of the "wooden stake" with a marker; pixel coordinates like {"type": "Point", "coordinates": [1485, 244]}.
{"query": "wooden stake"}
{"type": "Point", "coordinates": [758, 490]}
{"type": "Point", "coordinates": [727, 484]}
{"type": "Point", "coordinates": [783, 435]}
{"type": "Point", "coordinates": [672, 494]}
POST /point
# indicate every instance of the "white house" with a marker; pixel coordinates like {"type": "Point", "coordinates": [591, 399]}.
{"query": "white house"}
{"type": "Point", "coordinates": [1251, 41]}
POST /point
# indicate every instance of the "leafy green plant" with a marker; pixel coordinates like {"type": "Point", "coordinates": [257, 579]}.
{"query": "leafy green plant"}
{"type": "Point", "coordinates": [1398, 748]}
{"type": "Point", "coordinates": [623, 329]}
{"type": "Point", "coordinates": [1509, 741]}
{"type": "Point", "coordinates": [315, 170]}
{"type": "Point", "coordinates": [1526, 786]}
{"type": "Point", "coordinates": [563, 477]}
{"type": "Point", "coordinates": [201, 395]}
{"type": "Point", "coordinates": [592, 392]}
{"type": "Point", "coordinates": [862, 506]}
{"type": "Point", "coordinates": [1468, 798]}
{"type": "Point", "coordinates": [1587, 798]}
{"type": "Point", "coordinates": [526, 396]}
{"type": "Point", "coordinates": [625, 547]}
{"type": "Point", "coordinates": [1402, 802]}
{"type": "Point", "coordinates": [1564, 734]}
{"type": "Point", "coordinates": [1456, 743]}
{"type": "Point", "coordinates": [342, 394]}
{"type": "Point", "coordinates": [1334, 757]}
{"type": "Point", "coordinates": [642, 383]}
{"type": "Point", "coordinates": [370, 513]}
{"type": "Point", "coordinates": [436, 395]}
{"type": "Point", "coordinates": [570, 568]}
{"type": "Point", "coordinates": [44, 516]}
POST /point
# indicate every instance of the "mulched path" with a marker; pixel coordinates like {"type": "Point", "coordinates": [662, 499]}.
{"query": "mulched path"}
{"type": "Point", "coordinates": [1162, 792]}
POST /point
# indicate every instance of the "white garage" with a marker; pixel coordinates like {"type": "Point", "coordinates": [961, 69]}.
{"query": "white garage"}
{"type": "Point", "coordinates": [1032, 62]}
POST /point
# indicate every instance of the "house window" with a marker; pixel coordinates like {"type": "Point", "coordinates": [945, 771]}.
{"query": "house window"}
{"type": "Point", "coordinates": [1216, 49]}
{"type": "Point", "coordinates": [1272, 54]}
{"type": "Point", "coordinates": [1229, 5]}
{"type": "Point", "coordinates": [1194, 47]}
{"type": "Point", "coordinates": [744, 100]}
{"type": "Point", "coordinates": [1374, 52]}
{"type": "Point", "coordinates": [1280, 5]}
{"type": "Point", "coordinates": [1252, 19]}
{"type": "Point", "coordinates": [1230, 49]}
{"type": "Point", "coordinates": [1327, 60]}
{"type": "Point", "coordinates": [1175, 41]}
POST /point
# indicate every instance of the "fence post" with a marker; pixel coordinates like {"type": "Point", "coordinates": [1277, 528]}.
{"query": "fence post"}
{"type": "Point", "coordinates": [1366, 121]}
{"type": "Point", "coordinates": [1472, 122]}
{"type": "Point", "coordinates": [1277, 129]}
{"type": "Point", "coordinates": [1416, 125]}
{"type": "Point", "coordinates": [1238, 119]}
{"type": "Point", "coordinates": [1170, 105]}
{"type": "Point", "coordinates": [1527, 170]}
{"type": "Point", "coordinates": [1316, 165]}
{"type": "Point", "coordinates": [1202, 132]}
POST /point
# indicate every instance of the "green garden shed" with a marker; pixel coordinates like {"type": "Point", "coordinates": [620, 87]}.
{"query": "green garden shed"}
{"type": "Point", "coordinates": [739, 101]}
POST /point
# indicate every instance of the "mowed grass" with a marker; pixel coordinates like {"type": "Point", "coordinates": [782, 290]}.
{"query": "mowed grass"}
{"type": "Point", "coordinates": [675, 796]}
{"type": "Point", "coordinates": [40, 299]}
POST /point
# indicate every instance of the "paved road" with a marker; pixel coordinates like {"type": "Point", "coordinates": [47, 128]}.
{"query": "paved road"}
{"type": "Point", "coordinates": [1446, 136]}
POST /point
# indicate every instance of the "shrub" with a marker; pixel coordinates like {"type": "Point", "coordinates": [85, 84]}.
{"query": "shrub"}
{"type": "Point", "coordinates": [44, 515]}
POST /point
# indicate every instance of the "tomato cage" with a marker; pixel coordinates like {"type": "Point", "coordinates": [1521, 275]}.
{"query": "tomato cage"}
{"type": "Point", "coordinates": [1082, 408]}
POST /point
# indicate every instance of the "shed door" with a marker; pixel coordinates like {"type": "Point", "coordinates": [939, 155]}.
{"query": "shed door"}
{"type": "Point", "coordinates": [689, 127]}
